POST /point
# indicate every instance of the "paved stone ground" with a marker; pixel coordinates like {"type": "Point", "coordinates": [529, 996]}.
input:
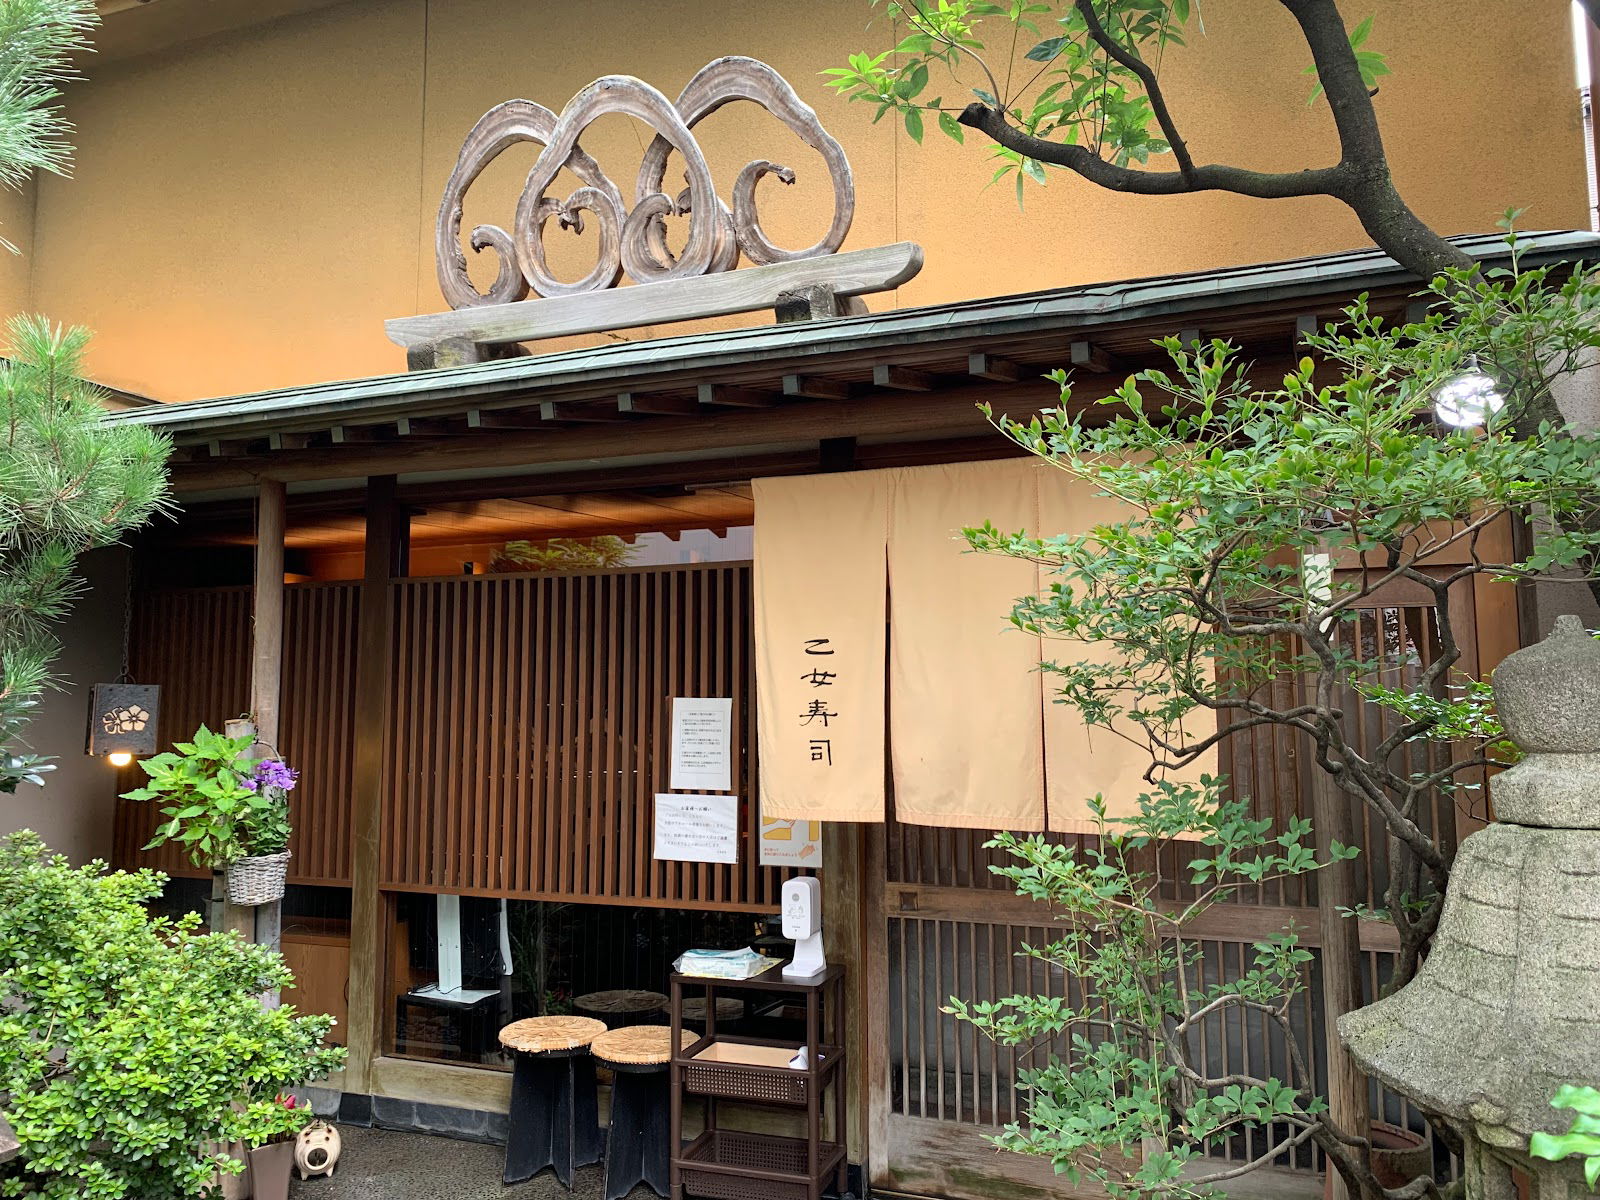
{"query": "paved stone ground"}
{"type": "Point", "coordinates": [380, 1164]}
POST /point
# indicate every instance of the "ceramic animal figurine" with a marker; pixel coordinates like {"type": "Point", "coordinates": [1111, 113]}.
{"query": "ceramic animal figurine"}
{"type": "Point", "coordinates": [316, 1150]}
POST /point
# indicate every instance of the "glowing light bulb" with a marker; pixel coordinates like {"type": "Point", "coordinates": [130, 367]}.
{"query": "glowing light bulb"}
{"type": "Point", "coordinates": [119, 758]}
{"type": "Point", "coordinates": [1469, 399]}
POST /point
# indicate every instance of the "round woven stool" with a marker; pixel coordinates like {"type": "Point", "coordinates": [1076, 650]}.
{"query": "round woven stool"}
{"type": "Point", "coordinates": [729, 1013]}
{"type": "Point", "coordinates": [622, 1006]}
{"type": "Point", "coordinates": [638, 1147]}
{"type": "Point", "coordinates": [555, 1117]}
{"type": "Point", "coordinates": [541, 1035]}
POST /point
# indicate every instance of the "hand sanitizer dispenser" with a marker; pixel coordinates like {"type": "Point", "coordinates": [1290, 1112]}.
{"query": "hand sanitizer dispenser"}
{"type": "Point", "coordinates": [802, 921]}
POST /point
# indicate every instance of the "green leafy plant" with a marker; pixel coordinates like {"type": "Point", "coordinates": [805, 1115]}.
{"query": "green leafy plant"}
{"type": "Point", "coordinates": [221, 803]}
{"type": "Point", "coordinates": [132, 1047]}
{"type": "Point", "coordinates": [68, 483]}
{"type": "Point", "coordinates": [1582, 1140]}
{"type": "Point", "coordinates": [1078, 85]}
{"type": "Point", "coordinates": [39, 42]}
{"type": "Point", "coordinates": [1250, 589]}
{"type": "Point", "coordinates": [1133, 1077]}
{"type": "Point", "coordinates": [1219, 594]}
{"type": "Point", "coordinates": [281, 1120]}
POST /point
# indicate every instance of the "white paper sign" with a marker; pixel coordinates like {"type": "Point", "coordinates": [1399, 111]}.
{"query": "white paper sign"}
{"type": "Point", "coordinates": [791, 843]}
{"type": "Point", "coordinates": [697, 828]}
{"type": "Point", "coordinates": [702, 744]}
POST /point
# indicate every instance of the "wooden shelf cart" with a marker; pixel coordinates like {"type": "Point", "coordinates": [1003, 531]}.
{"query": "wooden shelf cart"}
{"type": "Point", "coordinates": [726, 1164]}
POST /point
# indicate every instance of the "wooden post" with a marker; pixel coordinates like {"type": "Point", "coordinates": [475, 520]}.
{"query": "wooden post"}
{"type": "Point", "coordinates": [266, 660]}
{"type": "Point", "coordinates": [871, 1089]}
{"type": "Point", "coordinates": [385, 558]}
{"type": "Point", "coordinates": [1341, 961]}
{"type": "Point", "coordinates": [843, 856]}
{"type": "Point", "coordinates": [266, 656]}
{"type": "Point", "coordinates": [1340, 935]}
{"type": "Point", "coordinates": [263, 923]}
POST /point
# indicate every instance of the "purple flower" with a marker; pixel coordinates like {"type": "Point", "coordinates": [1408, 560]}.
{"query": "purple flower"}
{"type": "Point", "coordinates": [272, 773]}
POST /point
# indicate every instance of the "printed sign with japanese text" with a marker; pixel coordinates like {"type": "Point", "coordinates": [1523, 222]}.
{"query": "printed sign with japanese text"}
{"type": "Point", "coordinates": [702, 744]}
{"type": "Point", "coordinates": [693, 828]}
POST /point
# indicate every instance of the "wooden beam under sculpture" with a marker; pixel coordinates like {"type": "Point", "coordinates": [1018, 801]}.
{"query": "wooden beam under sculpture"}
{"type": "Point", "coordinates": [632, 240]}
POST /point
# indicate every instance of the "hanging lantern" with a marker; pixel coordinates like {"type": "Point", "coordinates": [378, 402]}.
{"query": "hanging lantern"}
{"type": "Point", "coordinates": [122, 720]}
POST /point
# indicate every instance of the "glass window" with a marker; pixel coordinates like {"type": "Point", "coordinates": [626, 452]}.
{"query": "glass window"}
{"type": "Point", "coordinates": [452, 988]}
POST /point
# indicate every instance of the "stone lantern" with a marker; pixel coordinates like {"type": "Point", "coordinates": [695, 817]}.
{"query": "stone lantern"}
{"type": "Point", "coordinates": [1506, 1008]}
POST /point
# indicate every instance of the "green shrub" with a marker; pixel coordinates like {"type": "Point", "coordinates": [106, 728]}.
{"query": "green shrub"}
{"type": "Point", "coordinates": [132, 1047]}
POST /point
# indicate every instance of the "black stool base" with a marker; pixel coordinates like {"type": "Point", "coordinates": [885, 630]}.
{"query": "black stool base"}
{"type": "Point", "coordinates": [555, 1118]}
{"type": "Point", "coordinates": [638, 1146]}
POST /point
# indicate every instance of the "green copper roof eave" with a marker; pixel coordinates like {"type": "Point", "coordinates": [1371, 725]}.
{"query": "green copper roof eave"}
{"type": "Point", "coordinates": [1082, 308]}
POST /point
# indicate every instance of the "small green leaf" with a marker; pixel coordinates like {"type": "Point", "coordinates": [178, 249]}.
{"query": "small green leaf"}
{"type": "Point", "coordinates": [1048, 49]}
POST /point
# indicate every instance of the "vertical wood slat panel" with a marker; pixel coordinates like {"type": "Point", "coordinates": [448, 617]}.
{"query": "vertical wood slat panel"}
{"type": "Point", "coordinates": [195, 643]}
{"type": "Point", "coordinates": [318, 726]}
{"type": "Point", "coordinates": [538, 711]}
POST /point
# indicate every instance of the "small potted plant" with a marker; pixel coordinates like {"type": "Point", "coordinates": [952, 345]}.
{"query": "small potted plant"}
{"type": "Point", "coordinates": [226, 808]}
{"type": "Point", "coordinates": [257, 875]}
{"type": "Point", "coordinates": [278, 1123]}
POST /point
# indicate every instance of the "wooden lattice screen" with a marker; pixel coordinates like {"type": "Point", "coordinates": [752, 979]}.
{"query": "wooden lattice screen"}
{"type": "Point", "coordinates": [195, 643]}
{"type": "Point", "coordinates": [527, 733]}
{"type": "Point", "coordinates": [530, 725]}
{"type": "Point", "coordinates": [955, 928]}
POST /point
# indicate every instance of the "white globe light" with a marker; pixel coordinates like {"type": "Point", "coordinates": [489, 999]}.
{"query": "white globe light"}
{"type": "Point", "coordinates": [1468, 400]}
{"type": "Point", "coordinates": [119, 758]}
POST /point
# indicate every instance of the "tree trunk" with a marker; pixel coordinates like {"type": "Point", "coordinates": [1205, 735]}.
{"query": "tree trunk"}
{"type": "Point", "coordinates": [1398, 231]}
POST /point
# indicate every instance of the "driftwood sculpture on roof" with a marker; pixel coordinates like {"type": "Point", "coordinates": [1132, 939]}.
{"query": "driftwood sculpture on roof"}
{"type": "Point", "coordinates": [632, 237]}
{"type": "Point", "coordinates": [632, 231]}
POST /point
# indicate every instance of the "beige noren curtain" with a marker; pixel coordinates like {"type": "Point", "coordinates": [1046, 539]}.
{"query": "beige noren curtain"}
{"type": "Point", "coordinates": [965, 715]}
{"type": "Point", "coordinates": [820, 596]}
{"type": "Point", "coordinates": [977, 738]}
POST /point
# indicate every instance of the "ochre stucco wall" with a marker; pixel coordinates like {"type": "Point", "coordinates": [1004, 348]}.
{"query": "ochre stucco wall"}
{"type": "Point", "coordinates": [247, 209]}
{"type": "Point", "coordinates": [16, 269]}
{"type": "Point", "coordinates": [73, 811]}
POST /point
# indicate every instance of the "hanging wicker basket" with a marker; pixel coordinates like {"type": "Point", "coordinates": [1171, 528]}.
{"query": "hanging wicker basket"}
{"type": "Point", "coordinates": [257, 880]}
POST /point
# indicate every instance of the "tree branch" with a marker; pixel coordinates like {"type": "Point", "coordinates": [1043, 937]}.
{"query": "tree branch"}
{"type": "Point", "coordinates": [1361, 179]}
{"type": "Point", "coordinates": [1368, 188]}
{"type": "Point", "coordinates": [1268, 1157]}
{"type": "Point", "coordinates": [1211, 178]}
{"type": "Point", "coordinates": [1152, 86]}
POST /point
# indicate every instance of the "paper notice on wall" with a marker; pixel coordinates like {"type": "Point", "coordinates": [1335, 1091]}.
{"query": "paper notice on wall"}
{"type": "Point", "coordinates": [791, 843]}
{"type": "Point", "coordinates": [702, 744]}
{"type": "Point", "coordinates": [697, 828]}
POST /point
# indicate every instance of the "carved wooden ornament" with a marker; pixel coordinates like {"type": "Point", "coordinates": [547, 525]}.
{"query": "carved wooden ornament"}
{"type": "Point", "coordinates": [631, 239]}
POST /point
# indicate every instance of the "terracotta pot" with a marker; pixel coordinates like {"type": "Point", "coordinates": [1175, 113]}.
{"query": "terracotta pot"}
{"type": "Point", "coordinates": [269, 1171]}
{"type": "Point", "coordinates": [1398, 1157]}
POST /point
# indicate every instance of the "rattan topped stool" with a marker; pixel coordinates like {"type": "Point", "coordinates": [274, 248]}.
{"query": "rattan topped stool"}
{"type": "Point", "coordinates": [623, 1006]}
{"type": "Point", "coordinates": [555, 1117]}
{"type": "Point", "coordinates": [638, 1147]}
{"type": "Point", "coordinates": [730, 1012]}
